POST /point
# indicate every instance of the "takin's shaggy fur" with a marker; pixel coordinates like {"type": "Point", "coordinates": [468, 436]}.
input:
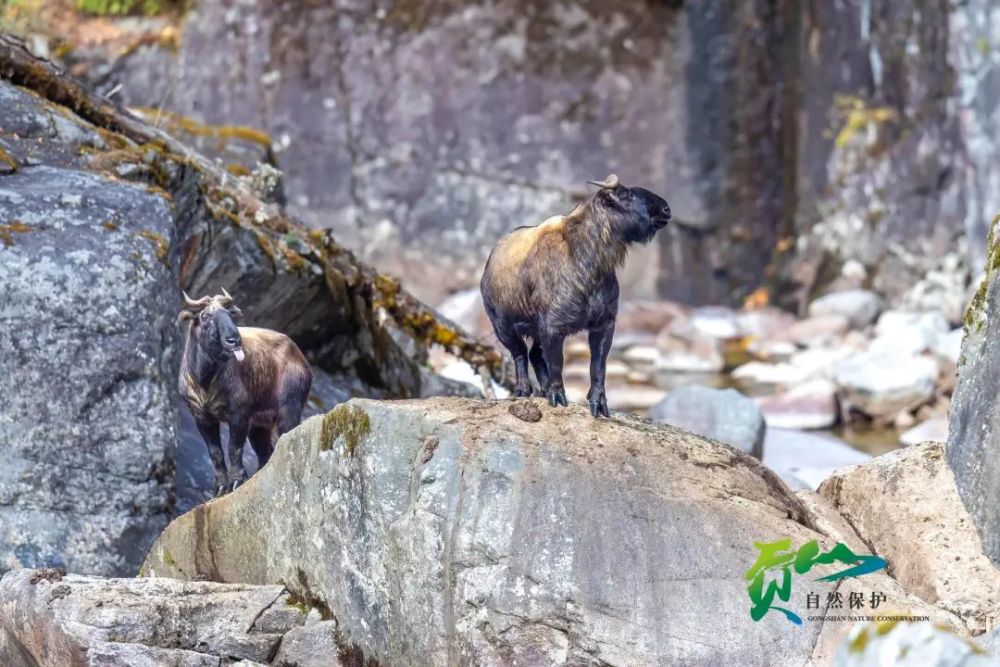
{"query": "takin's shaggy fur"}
{"type": "Point", "coordinates": [557, 278]}
{"type": "Point", "coordinates": [255, 380]}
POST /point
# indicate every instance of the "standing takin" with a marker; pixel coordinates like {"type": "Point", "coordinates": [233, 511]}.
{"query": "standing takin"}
{"type": "Point", "coordinates": [255, 380]}
{"type": "Point", "coordinates": [557, 278]}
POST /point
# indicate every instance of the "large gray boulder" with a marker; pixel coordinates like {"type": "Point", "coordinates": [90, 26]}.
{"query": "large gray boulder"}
{"type": "Point", "coordinates": [453, 531]}
{"type": "Point", "coordinates": [974, 420]}
{"type": "Point", "coordinates": [87, 352]}
{"type": "Point", "coordinates": [48, 619]}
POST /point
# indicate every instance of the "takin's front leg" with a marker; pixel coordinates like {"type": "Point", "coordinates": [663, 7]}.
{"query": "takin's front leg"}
{"type": "Point", "coordinates": [552, 351]}
{"type": "Point", "coordinates": [209, 429]}
{"type": "Point", "coordinates": [239, 429]}
{"type": "Point", "coordinates": [600, 345]}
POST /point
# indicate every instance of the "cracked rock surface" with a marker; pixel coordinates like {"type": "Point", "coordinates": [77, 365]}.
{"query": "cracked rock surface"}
{"type": "Point", "coordinates": [49, 619]}
{"type": "Point", "coordinates": [86, 355]}
{"type": "Point", "coordinates": [450, 531]}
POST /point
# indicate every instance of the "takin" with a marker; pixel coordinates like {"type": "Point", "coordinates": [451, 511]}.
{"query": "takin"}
{"type": "Point", "coordinates": [255, 380]}
{"type": "Point", "coordinates": [552, 280]}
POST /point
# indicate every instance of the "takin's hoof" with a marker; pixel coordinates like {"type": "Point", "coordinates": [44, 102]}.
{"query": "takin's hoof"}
{"type": "Point", "coordinates": [557, 396]}
{"type": "Point", "coordinates": [599, 405]}
{"type": "Point", "coordinates": [522, 392]}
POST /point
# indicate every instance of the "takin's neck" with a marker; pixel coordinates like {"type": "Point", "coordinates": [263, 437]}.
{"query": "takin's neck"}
{"type": "Point", "coordinates": [197, 364]}
{"type": "Point", "coordinates": [595, 248]}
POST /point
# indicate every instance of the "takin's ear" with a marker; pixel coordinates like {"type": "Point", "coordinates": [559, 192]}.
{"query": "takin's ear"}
{"type": "Point", "coordinates": [185, 315]}
{"type": "Point", "coordinates": [608, 196]}
{"type": "Point", "coordinates": [236, 313]}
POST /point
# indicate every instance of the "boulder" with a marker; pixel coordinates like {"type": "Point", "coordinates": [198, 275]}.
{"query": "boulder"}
{"type": "Point", "coordinates": [905, 506]}
{"type": "Point", "coordinates": [816, 331]}
{"type": "Point", "coordinates": [47, 618]}
{"type": "Point", "coordinates": [725, 415]}
{"type": "Point", "coordinates": [87, 302]}
{"type": "Point", "coordinates": [452, 531]}
{"type": "Point", "coordinates": [974, 419]}
{"type": "Point", "coordinates": [909, 644]}
{"type": "Point", "coordinates": [859, 306]}
{"type": "Point", "coordinates": [811, 405]}
{"type": "Point", "coordinates": [883, 383]}
{"type": "Point", "coordinates": [912, 332]}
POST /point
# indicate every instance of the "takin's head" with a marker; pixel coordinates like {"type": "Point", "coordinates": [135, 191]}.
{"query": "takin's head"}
{"type": "Point", "coordinates": [213, 325]}
{"type": "Point", "coordinates": [636, 214]}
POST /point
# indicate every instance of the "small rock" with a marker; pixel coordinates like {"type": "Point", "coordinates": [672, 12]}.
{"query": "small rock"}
{"type": "Point", "coordinates": [721, 414]}
{"type": "Point", "coordinates": [763, 323]}
{"type": "Point", "coordinates": [859, 306]}
{"type": "Point", "coordinates": [773, 351]}
{"type": "Point", "coordinates": [814, 331]}
{"type": "Point", "coordinates": [934, 429]}
{"type": "Point", "coordinates": [903, 420]}
{"type": "Point", "coordinates": [684, 355]}
{"type": "Point", "coordinates": [649, 316]}
{"type": "Point", "coordinates": [635, 398]}
{"type": "Point", "coordinates": [812, 405]}
{"type": "Point", "coordinates": [716, 322]}
{"type": "Point", "coordinates": [525, 410]}
{"type": "Point", "coordinates": [313, 645]}
{"type": "Point", "coordinates": [615, 370]}
{"type": "Point", "coordinates": [883, 383]}
{"type": "Point", "coordinates": [908, 332]}
{"type": "Point", "coordinates": [641, 356]}
{"type": "Point", "coordinates": [639, 377]}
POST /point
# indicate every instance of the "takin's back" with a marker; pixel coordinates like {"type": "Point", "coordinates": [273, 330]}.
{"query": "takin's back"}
{"type": "Point", "coordinates": [525, 267]}
{"type": "Point", "coordinates": [271, 358]}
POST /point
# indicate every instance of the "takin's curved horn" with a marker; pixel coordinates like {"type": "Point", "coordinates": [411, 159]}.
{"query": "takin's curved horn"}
{"type": "Point", "coordinates": [610, 182]}
{"type": "Point", "coordinates": [226, 296]}
{"type": "Point", "coordinates": [192, 304]}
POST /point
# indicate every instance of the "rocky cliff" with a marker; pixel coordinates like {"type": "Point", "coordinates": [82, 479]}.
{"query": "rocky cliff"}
{"type": "Point", "coordinates": [865, 126]}
{"type": "Point", "coordinates": [103, 218]}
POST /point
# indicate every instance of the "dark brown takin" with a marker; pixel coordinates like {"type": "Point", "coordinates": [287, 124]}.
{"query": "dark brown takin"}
{"type": "Point", "coordinates": [554, 279]}
{"type": "Point", "coordinates": [255, 380]}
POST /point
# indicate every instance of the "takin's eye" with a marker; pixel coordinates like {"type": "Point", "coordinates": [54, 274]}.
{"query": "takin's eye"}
{"type": "Point", "coordinates": [204, 316]}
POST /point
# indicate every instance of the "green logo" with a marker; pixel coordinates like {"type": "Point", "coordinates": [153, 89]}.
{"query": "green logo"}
{"type": "Point", "coordinates": [779, 556]}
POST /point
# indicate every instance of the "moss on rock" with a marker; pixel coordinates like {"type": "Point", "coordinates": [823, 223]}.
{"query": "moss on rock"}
{"type": "Point", "coordinates": [346, 421]}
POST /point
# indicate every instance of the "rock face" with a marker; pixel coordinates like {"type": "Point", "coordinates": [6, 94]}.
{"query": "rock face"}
{"type": "Point", "coordinates": [974, 421]}
{"type": "Point", "coordinates": [450, 531]}
{"type": "Point", "coordinates": [86, 422]}
{"type": "Point", "coordinates": [547, 96]}
{"type": "Point", "coordinates": [49, 619]}
{"type": "Point", "coordinates": [102, 219]}
{"type": "Point", "coordinates": [720, 414]}
{"type": "Point", "coordinates": [906, 507]}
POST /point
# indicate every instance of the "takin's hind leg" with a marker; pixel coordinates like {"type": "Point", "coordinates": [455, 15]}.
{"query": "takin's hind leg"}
{"type": "Point", "coordinates": [262, 440]}
{"type": "Point", "coordinates": [552, 349]}
{"type": "Point", "coordinates": [541, 368]}
{"type": "Point", "coordinates": [515, 344]}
